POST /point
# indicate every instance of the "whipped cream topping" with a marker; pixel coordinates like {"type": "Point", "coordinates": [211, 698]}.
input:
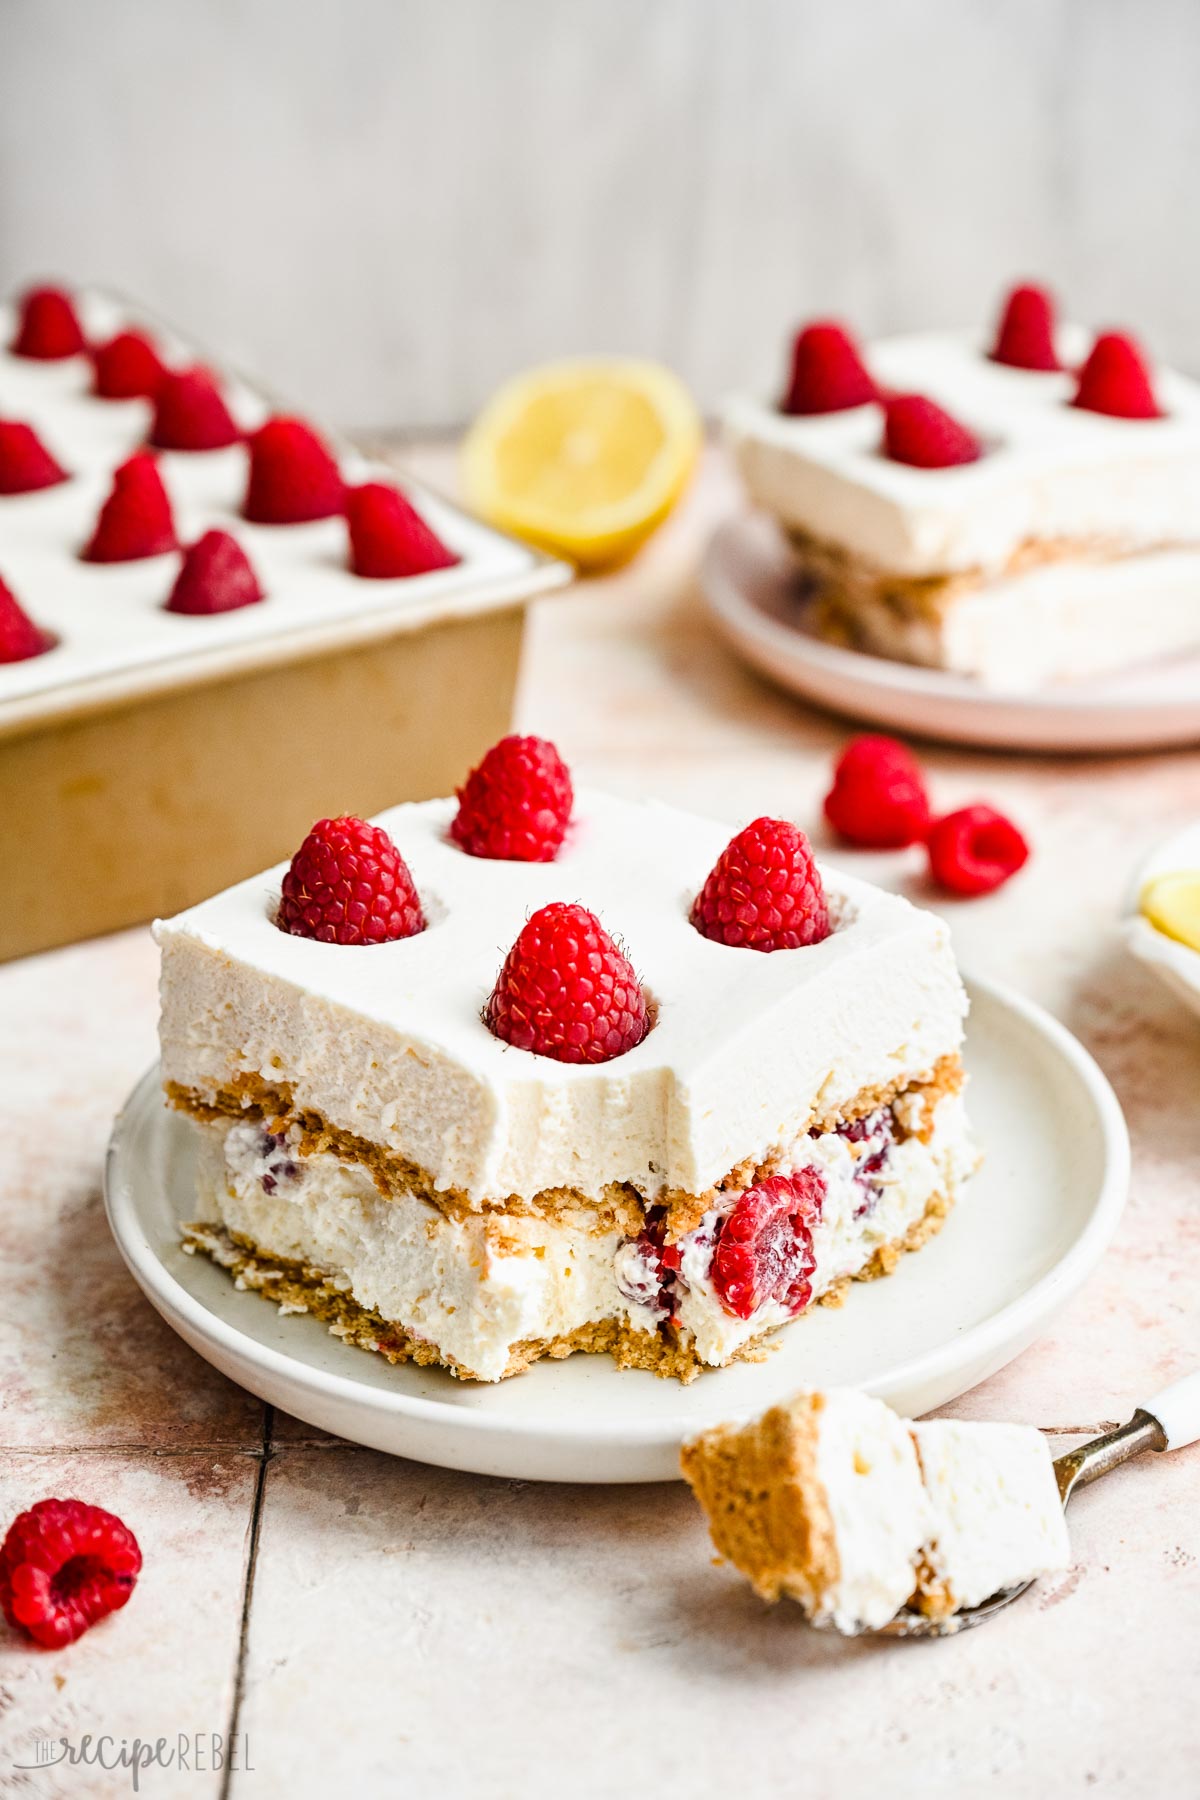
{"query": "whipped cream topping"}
{"type": "Point", "coordinates": [387, 1041]}
{"type": "Point", "coordinates": [109, 618]}
{"type": "Point", "coordinates": [1051, 471]}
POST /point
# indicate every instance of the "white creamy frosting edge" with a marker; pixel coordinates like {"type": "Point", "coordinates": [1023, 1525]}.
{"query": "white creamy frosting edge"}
{"type": "Point", "coordinates": [1051, 472]}
{"type": "Point", "coordinates": [386, 1042]}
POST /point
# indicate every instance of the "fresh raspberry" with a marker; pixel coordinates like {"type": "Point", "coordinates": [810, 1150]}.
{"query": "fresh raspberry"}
{"type": "Point", "coordinates": [827, 372]}
{"type": "Point", "coordinates": [127, 367]}
{"type": "Point", "coordinates": [764, 892]}
{"type": "Point", "coordinates": [20, 638]}
{"type": "Point", "coordinates": [878, 799]}
{"type": "Point", "coordinates": [975, 850]}
{"type": "Point", "coordinates": [764, 1248]}
{"type": "Point", "coordinates": [388, 537]}
{"type": "Point", "coordinates": [25, 463]}
{"type": "Point", "coordinates": [216, 576]}
{"type": "Point", "coordinates": [1116, 380]}
{"type": "Point", "coordinates": [190, 413]}
{"type": "Point", "coordinates": [348, 884]}
{"type": "Point", "coordinates": [64, 1566]}
{"type": "Point", "coordinates": [567, 991]}
{"type": "Point", "coordinates": [135, 521]}
{"type": "Point", "coordinates": [516, 805]}
{"type": "Point", "coordinates": [293, 478]}
{"type": "Point", "coordinates": [1025, 335]}
{"type": "Point", "coordinates": [918, 432]}
{"type": "Point", "coordinates": [49, 327]}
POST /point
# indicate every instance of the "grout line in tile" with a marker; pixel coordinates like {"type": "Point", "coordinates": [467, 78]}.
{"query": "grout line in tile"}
{"type": "Point", "coordinates": [228, 1447]}
{"type": "Point", "coordinates": [239, 1681]}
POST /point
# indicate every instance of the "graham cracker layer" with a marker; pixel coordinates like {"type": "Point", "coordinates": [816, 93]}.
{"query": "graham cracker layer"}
{"type": "Point", "coordinates": [766, 1506]}
{"type": "Point", "coordinates": [849, 584]}
{"type": "Point", "coordinates": [248, 1098]}
{"type": "Point", "coordinates": [301, 1287]}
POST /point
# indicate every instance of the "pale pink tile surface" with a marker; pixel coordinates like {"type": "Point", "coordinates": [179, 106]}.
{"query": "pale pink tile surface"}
{"type": "Point", "coordinates": [443, 1635]}
{"type": "Point", "coordinates": [166, 1663]}
{"type": "Point", "coordinates": [500, 1638]}
{"type": "Point", "coordinates": [83, 1358]}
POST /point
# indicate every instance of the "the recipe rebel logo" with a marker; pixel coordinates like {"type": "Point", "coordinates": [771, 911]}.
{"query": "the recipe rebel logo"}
{"type": "Point", "coordinates": [194, 1752]}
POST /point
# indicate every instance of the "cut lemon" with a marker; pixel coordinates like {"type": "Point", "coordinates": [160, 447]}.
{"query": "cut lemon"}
{"type": "Point", "coordinates": [1172, 905]}
{"type": "Point", "coordinates": [583, 458]}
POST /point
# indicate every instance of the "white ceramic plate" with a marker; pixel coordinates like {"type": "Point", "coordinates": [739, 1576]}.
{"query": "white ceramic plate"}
{"type": "Point", "coordinates": [1174, 963]}
{"type": "Point", "coordinates": [1029, 1229]}
{"type": "Point", "coordinates": [749, 583]}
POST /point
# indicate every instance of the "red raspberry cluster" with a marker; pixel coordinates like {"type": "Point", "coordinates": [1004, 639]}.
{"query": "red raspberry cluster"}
{"type": "Point", "coordinates": [292, 478]}
{"type": "Point", "coordinates": [879, 801]}
{"type": "Point", "coordinates": [828, 374]}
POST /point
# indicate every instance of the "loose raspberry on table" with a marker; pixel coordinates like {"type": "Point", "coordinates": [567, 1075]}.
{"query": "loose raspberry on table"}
{"type": "Point", "coordinates": [918, 432]}
{"type": "Point", "coordinates": [827, 373]}
{"type": "Point", "coordinates": [293, 478]}
{"type": "Point", "coordinates": [216, 576]}
{"type": "Point", "coordinates": [388, 536]}
{"type": "Point", "coordinates": [975, 850]}
{"type": "Point", "coordinates": [64, 1566]}
{"type": "Point", "coordinates": [1116, 380]}
{"type": "Point", "coordinates": [515, 807]}
{"type": "Point", "coordinates": [764, 892]}
{"type": "Point", "coordinates": [1025, 335]}
{"type": "Point", "coordinates": [348, 884]}
{"type": "Point", "coordinates": [190, 413]}
{"type": "Point", "coordinates": [567, 991]}
{"type": "Point", "coordinates": [878, 800]}
{"type": "Point", "coordinates": [48, 328]}
{"type": "Point", "coordinates": [764, 1248]}
{"type": "Point", "coordinates": [135, 520]}
{"type": "Point", "coordinates": [127, 367]}
{"type": "Point", "coordinates": [20, 638]}
{"type": "Point", "coordinates": [25, 463]}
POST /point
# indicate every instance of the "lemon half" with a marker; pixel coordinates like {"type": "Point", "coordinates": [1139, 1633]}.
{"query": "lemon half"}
{"type": "Point", "coordinates": [1172, 905]}
{"type": "Point", "coordinates": [583, 458]}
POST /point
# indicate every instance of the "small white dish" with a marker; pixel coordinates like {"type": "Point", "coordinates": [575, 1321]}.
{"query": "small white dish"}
{"type": "Point", "coordinates": [1174, 963]}
{"type": "Point", "coordinates": [748, 579]}
{"type": "Point", "coordinates": [1032, 1225]}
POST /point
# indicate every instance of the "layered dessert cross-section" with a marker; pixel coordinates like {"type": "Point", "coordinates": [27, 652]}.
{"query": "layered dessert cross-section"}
{"type": "Point", "coordinates": [856, 1514]}
{"type": "Point", "coordinates": [1018, 521]}
{"type": "Point", "coordinates": [389, 1137]}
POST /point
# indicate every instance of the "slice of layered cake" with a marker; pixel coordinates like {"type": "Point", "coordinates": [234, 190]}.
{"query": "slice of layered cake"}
{"type": "Point", "coordinates": [1019, 507]}
{"type": "Point", "coordinates": [525, 1073]}
{"type": "Point", "coordinates": [854, 1513]}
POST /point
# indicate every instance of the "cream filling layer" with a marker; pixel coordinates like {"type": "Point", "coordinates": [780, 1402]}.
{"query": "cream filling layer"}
{"type": "Point", "coordinates": [880, 1512]}
{"type": "Point", "coordinates": [477, 1287]}
{"type": "Point", "coordinates": [998, 1517]}
{"type": "Point", "coordinates": [1067, 620]}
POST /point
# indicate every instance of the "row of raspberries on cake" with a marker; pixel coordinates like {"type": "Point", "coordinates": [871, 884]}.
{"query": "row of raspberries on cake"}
{"type": "Point", "coordinates": [566, 989]}
{"type": "Point", "coordinates": [293, 478]}
{"type": "Point", "coordinates": [828, 375]}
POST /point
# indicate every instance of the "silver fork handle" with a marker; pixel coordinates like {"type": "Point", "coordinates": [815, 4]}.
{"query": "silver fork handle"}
{"type": "Point", "coordinates": [1168, 1422]}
